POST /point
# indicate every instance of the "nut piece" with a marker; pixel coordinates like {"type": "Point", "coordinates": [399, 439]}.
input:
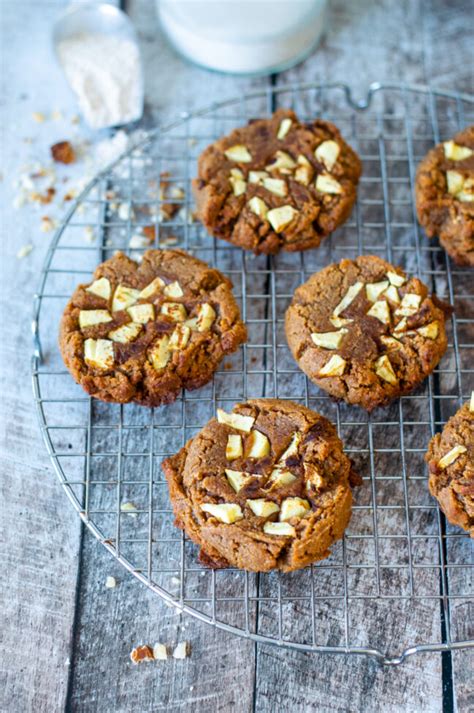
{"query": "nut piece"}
{"type": "Point", "coordinates": [384, 369]}
{"type": "Point", "coordinates": [380, 310]}
{"type": "Point", "coordinates": [173, 290]}
{"type": "Point", "coordinates": [179, 337]}
{"type": "Point", "coordinates": [293, 507]}
{"type": "Point", "coordinates": [283, 162]}
{"type": "Point", "coordinates": [238, 153]}
{"type": "Point", "coordinates": [141, 654]}
{"type": "Point", "coordinates": [374, 289]}
{"type": "Point", "coordinates": [259, 445]}
{"type": "Point", "coordinates": [285, 126]}
{"type": "Point", "coordinates": [126, 333]}
{"type": "Point", "coordinates": [348, 298]}
{"type": "Point", "coordinates": [257, 176]}
{"type": "Point", "coordinates": [280, 218]}
{"type": "Point", "coordinates": [100, 287]}
{"type": "Point", "coordinates": [304, 171]}
{"type": "Point", "coordinates": [141, 313]}
{"type": "Point", "coordinates": [175, 310]}
{"type": "Point", "coordinates": [224, 512]}
{"type": "Point", "coordinates": [451, 456]}
{"type": "Point", "coordinates": [396, 279]}
{"type": "Point", "coordinates": [233, 448]}
{"type": "Point", "coordinates": [89, 317]}
{"type": "Point", "coordinates": [99, 353]}
{"type": "Point", "coordinates": [155, 286]}
{"type": "Point", "coordinates": [334, 367]}
{"type": "Point", "coordinates": [124, 297]}
{"type": "Point", "coordinates": [280, 477]}
{"type": "Point", "coordinates": [454, 152]}
{"type": "Point", "coordinates": [262, 508]}
{"type": "Point", "coordinates": [159, 355]}
{"type": "Point", "coordinates": [205, 317]}
{"type": "Point", "coordinates": [409, 305]}
{"type": "Point", "coordinates": [455, 181]}
{"type": "Point", "coordinates": [328, 340]}
{"type": "Point", "coordinates": [276, 186]}
{"type": "Point", "coordinates": [237, 181]}
{"type": "Point", "coordinates": [292, 449]}
{"type": "Point", "coordinates": [160, 652]}
{"type": "Point", "coordinates": [181, 650]}
{"type": "Point", "coordinates": [237, 479]}
{"type": "Point", "coordinates": [430, 331]}
{"type": "Point", "coordinates": [327, 184]}
{"type": "Point", "coordinates": [236, 420]}
{"type": "Point", "coordinates": [327, 153]}
{"type": "Point", "coordinates": [279, 528]}
{"type": "Point", "coordinates": [258, 207]}
{"type": "Point", "coordinates": [391, 293]}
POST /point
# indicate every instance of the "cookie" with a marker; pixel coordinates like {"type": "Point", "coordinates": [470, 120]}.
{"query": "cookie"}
{"type": "Point", "coordinates": [450, 459]}
{"type": "Point", "coordinates": [277, 184]}
{"type": "Point", "coordinates": [264, 487]}
{"type": "Point", "coordinates": [143, 331]}
{"type": "Point", "coordinates": [445, 195]}
{"type": "Point", "coordinates": [365, 332]}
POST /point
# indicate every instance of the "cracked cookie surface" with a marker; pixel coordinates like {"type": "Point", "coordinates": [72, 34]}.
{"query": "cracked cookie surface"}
{"type": "Point", "coordinates": [445, 195]}
{"type": "Point", "coordinates": [277, 184]}
{"type": "Point", "coordinates": [365, 332]}
{"type": "Point", "coordinates": [450, 459]}
{"type": "Point", "coordinates": [143, 331]}
{"type": "Point", "coordinates": [263, 487]}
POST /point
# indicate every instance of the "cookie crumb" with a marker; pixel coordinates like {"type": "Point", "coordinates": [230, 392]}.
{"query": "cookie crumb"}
{"type": "Point", "coordinates": [24, 251]}
{"type": "Point", "coordinates": [38, 116]}
{"type": "Point", "coordinates": [129, 509]}
{"type": "Point", "coordinates": [110, 582]}
{"type": "Point", "coordinates": [63, 152]}
{"type": "Point", "coordinates": [160, 652]}
{"type": "Point", "coordinates": [142, 654]}
{"type": "Point", "coordinates": [47, 224]}
{"type": "Point", "coordinates": [181, 650]}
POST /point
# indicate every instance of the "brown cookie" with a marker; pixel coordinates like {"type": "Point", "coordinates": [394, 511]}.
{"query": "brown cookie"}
{"type": "Point", "coordinates": [365, 332]}
{"type": "Point", "coordinates": [450, 459]}
{"type": "Point", "coordinates": [142, 332]}
{"type": "Point", "coordinates": [277, 184]}
{"type": "Point", "coordinates": [264, 487]}
{"type": "Point", "coordinates": [445, 195]}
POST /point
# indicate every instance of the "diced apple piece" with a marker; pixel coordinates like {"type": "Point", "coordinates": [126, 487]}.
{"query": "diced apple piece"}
{"type": "Point", "coordinates": [280, 218]}
{"type": "Point", "coordinates": [384, 369]}
{"type": "Point", "coordinates": [258, 207]}
{"type": "Point", "coordinates": [89, 317]}
{"type": "Point", "coordinates": [455, 181]}
{"type": "Point", "coordinates": [451, 456]}
{"type": "Point", "coordinates": [159, 355]}
{"type": "Point", "coordinates": [334, 367]}
{"type": "Point", "coordinates": [258, 445]}
{"type": "Point", "coordinates": [283, 529]}
{"type": "Point", "coordinates": [395, 279]}
{"type": "Point", "coordinates": [173, 290]}
{"type": "Point", "coordinates": [205, 318]}
{"type": "Point", "coordinates": [283, 162]}
{"type": "Point", "coordinates": [390, 342]}
{"type": "Point", "coordinates": [227, 513]}
{"type": "Point", "coordinates": [262, 508]}
{"type": "Point", "coordinates": [381, 311]}
{"type": "Point", "coordinates": [402, 326]}
{"type": "Point", "coordinates": [257, 176]}
{"type": "Point", "coordinates": [155, 286]}
{"type": "Point", "coordinates": [430, 331]}
{"type": "Point", "coordinates": [100, 287]}
{"type": "Point", "coordinates": [280, 477]}
{"type": "Point", "coordinates": [455, 152]}
{"type": "Point", "coordinates": [179, 337]}
{"type": "Point", "coordinates": [276, 186]}
{"type": "Point", "coordinates": [237, 479]}
{"type": "Point", "coordinates": [348, 298]}
{"type": "Point", "coordinates": [327, 153]}
{"type": "Point", "coordinates": [126, 333]}
{"type": "Point", "coordinates": [374, 289]}
{"type": "Point", "coordinates": [409, 305]}
{"type": "Point", "coordinates": [283, 129]}
{"type": "Point", "coordinates": [327, 184]}
{"type": "Point", "coordinates": [471, 403]}
{"type": "Point", "coordinates": [238, 183]}
{"type": "Point", "coordinates": [293, 507]}
{"type": "Point", "coordinates": [175, 310]}
{"type": "Point", "coordinates": [391, 293]}
{"type": "Point", "coordinates": [124, 297]}
{"type": "Point", "coordinates": [238, 153]}
{"type": "Point", "coordinates": [313, 476]}
{"type": "Point", "coordinates": [233, 448]}
{"type": "Point", "coordinates": [339, 321]}
{"type": "Point", "coordinates": [99, 353]}
{"type": "Point", "coordinates": [236, 420]}
{"type": "Point", "coordinates": [141, 313]}
{"type": "Point", "coordinates": [328, 340]}
{"type": "Point", "coordinates": [304, 171]}
{"type": "Point", "coordinates": [292, 449]}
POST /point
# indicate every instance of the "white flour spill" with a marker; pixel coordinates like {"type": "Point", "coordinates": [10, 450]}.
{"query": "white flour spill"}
{"type": "Point", "coordinates": [105, 73]}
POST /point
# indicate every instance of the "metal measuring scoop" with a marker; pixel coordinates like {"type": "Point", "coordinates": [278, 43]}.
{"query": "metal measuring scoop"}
{"type": "Point", "coordinates": [98, 19]}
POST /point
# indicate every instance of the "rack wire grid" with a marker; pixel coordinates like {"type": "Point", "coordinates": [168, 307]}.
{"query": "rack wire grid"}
{"type": "Point", "coordinates": [401, 580]}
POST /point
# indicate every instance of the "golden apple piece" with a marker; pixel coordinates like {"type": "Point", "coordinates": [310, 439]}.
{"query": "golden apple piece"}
{"type": "Point", "coordinates": [384, 369]}
{"type": "Point", "coordinates": [258, 207]}
{"type": "Point", "coordinates": [328, 340]}
{"type": "Point", "coordinates": [471, 403]}
{"type": "Point", "coordinates": [313, 476]}
{"type": "Point", "coordinates": [395, 279]}
{"type": "Point", "coordinates": [237, 479]}
{"type": "Point", "coordinates": [348, 298]}
{"type": "Point", "coordinates": [142, 313]}
{"type": "Point", "coordinates": [455, 152]}
{"type": "Point", "coordinates": [262, 508]}
{"type": "Point", "coordinates": [233, 448]}
{"type": "Point", "coordinates": [294, 507]}
{"type": "Point", "coordinates": [451, 456]}
{"type": "Point", "coordinates": [281, 477]}
{"type": "Point", "coordinates": [429, 331]}
{"type": "Point", "coordinates": [339, 321]}
{"type": "Point", "coordinates": [99, 353]}
{"type": "Point", "coordinates": [381, 311]}
{"type": "Point", "coordinates": [237, 181]}
{"type": "Point", "coordinates": [100, 287]}
{"type": "Point", "coordinates": [205, 318]}
{"type": "Point", "coordinates": [258, 445]}
{"type": "Point", "coordinates": [327, 153]}
{"type": "Point", "coordinates": [280, 218]}
{"type": "Point", "coordinates": [283, 162]}
{"type": "Point", "coordinates": [175, 310]}
{"type": "Point", "coordinates": [455, 182]}
{"type": "Point", "coordinates": [409, 305]}
{"type": "Point", "coordinates": [276, 186]}
{"type": "Point", "coordinates": [160, 354]}
{"type": "Point", "coordinates": [238, 153]}
{"type": "Point", "coordinates": [227, 513]}
{"type": "Point", "coordinates": [292, 449]}
{"type": "Point", "coordinates": [124, 297]}
{"type": "Point", "coordinates": [257, 176]}
{"type": "Point", "coordinates": [283, 529]}
{"type": "Point", "coordinates": [374, 289]}
{"type": "Point", "coordinates": [391, 293]}
{"type": "Point", "coordinates": [155, 286]}
{"type": "Point", "coordinates": [89, 317]}
{"type": "Point", "coordinates": [235, 420]}
{"type": "Point", "coordinates": [179, 337]}
{"type": "Point", "coordinates": [173, 290]}
{"type": "Point", "coordinates": [283, 129]}
{"type": "Point", "coordinates": [327, 184]}
{"type": "Point", "coordinates": [126, 333]}
{"type": "Point", "coordinates": [334, 367]}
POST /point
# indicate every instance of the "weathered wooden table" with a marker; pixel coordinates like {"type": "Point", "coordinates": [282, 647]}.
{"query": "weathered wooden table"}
{"type": "Point", "coordinates": [65, 638]}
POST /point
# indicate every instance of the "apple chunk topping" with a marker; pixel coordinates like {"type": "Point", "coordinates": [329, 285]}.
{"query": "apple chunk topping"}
{"type": "Point", "coordinates": [126, 333]}
{"type": "Point", "coordinates": [280, 218]}
{"type": "Point", "coordinates": [283, 529]}
{"type": "Point", "coordinates": [451, 456]}
{"type": "Point", "coordinates": [100, 287]}
{"type": "Point", "coordinates": [328, 340]}
{"type": "Point", "coordinates": [384, 369]}
{"type": "Point", "coordinates": [238, 153]}
{"type": "Point", "coordinates": [233, 448]}
{"type": "Point", "coordinates": [155, 286]}
{"type": "Point", "coordinates": [262, 508]}
{"type": "Point", "coordinates": [124, 297]}
{"type": "Point", "coordinates": [227, 513]}
{"type": "Point", "coordinates": [237, 479]}
{"type": "Point", "coordinates": [159, 355]}
{"type": "Point", "coordinates": [89, 317]}
{"type": "Point", "coordinates": [235, 420]}
{"type": "Point", "coordinates": [142, 313]}
{"type": "Point", "coordinates": [283, 129]}
{"type": "Point", "coordinates": [334, 367]}
{"type": "Point", "coordinates": [258, 445]}
{"type": "Point", "coordinates": [99, 353]}
{"type": "Point", "coordinates": [294, 507]}
{"type": "Point", "coordinates": [327, 153]}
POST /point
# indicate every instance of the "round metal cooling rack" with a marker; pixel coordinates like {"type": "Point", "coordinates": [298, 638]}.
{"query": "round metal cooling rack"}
{"type": "Point", "coordinates": [400, 581]}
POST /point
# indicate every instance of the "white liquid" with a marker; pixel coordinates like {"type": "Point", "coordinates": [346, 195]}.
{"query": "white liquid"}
{"type": "Point", "coordinates": [243, 35]}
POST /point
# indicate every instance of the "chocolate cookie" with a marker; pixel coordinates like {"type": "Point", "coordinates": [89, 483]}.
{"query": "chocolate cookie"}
{"type": "Point", "coordinates": [445, 195]}
{"type": "Point", "coordinates": [277, 184]}
{"type": "Point", "coordinates": [365, 332]}
{"type": "Point", "coordinates": [264, 487]}
{"type": "Point", "coordinates": [450, 458]}
{"type": "Point", "coordinates": [142, 332]}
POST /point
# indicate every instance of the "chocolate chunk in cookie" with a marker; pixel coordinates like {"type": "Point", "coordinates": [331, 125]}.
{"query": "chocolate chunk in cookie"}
{"type": "Point", "coordinates": [365, 332]}
{"type": "Point", "coordinates": [263, 487]}
{"type": "Point", "coordinates": [142, 332]}
{"type": "Point", "coordinates": [445, 195]}
{"type": "Point", "coordinates": [450, 459]}
{"type": "Point", "coordinates": [277, 184]}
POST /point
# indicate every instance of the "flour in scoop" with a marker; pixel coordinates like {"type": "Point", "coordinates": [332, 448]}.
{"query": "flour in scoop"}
{"type": "Point", "coordinates": [105, 73]}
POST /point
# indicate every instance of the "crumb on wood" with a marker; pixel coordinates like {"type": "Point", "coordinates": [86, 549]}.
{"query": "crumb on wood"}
{"type": "Point", "coordinates": [63, 152]}
{"type": "Point", "coordinates": [181, 650]}
{"type": "Point", "coordinates": [110, 582]}
{"type": "Point", "coordinates": [142, 654]}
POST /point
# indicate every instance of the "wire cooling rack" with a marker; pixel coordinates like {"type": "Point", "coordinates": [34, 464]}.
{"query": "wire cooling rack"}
{"type": "Point", "coordinates": [401, 580]}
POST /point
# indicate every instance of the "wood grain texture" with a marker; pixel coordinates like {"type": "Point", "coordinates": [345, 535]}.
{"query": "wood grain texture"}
{"type": "Point", "coordinates": [40, 535]}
